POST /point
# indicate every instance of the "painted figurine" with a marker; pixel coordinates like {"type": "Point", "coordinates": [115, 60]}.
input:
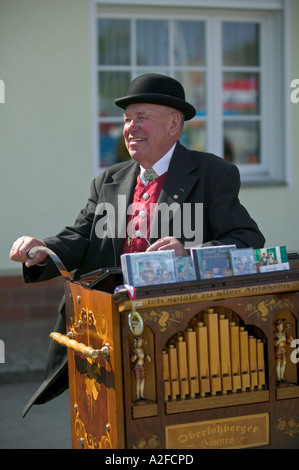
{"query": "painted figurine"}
{"type": "Point", "coordinates": [139, 357]}
{"type": "Point", "coordinates": [280, 342]}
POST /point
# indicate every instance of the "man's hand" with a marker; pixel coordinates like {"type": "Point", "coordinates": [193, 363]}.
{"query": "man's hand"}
{"type": "Point", "coordinates": [169, 243]}
{"type": "Point", "coordinates": [20, 248]}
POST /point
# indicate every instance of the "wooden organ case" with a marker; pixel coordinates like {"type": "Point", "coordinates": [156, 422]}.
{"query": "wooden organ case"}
{"type": "Point", "coordinates": [210, 379]}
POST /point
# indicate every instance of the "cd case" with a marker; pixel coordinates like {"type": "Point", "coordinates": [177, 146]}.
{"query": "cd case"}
{"type": "Point", "coordinates": [185, 269]}
{"type": "Point", "coordinates": [243, 261]}
{"type": "Point", "coordinates": [149, 268]}
{"type": "Point", "coordinates": [212, 261]}
{"type": "Point", "coordinates": [272, 259]}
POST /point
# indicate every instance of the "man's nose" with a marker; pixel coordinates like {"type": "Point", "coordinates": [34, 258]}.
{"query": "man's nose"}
{"type": "Point", "coordinates": [133, 124]}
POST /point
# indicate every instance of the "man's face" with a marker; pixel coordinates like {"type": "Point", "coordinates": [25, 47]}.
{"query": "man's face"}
{"type": "Point", "coordinates": [149, 131]}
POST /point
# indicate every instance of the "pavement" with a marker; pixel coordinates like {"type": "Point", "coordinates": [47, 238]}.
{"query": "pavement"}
{"type": "Point", "coordinates": [45, 426]}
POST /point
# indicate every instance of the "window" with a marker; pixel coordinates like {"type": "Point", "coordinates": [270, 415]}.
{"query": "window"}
{"type": "Point", "coordinates": [241, 75]}
{"type": "Point", "coordinates": [229, 65]}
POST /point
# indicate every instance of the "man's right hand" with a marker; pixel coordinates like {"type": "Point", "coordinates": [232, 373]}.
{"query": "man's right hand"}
{"type": "Point", "coordinates": [20, 248]}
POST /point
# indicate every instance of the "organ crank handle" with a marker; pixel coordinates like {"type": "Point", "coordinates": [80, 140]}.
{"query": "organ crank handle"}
{"type": "Point", "coordinates": [44, 249]}
{"type": "Point", "coordinates": [87, 351]}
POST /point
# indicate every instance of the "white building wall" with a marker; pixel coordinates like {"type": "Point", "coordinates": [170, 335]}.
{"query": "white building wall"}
{"type": "Point", "coordinates": [45, 122]}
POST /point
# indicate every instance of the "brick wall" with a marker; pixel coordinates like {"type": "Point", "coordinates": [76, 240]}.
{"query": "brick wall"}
{"type": "Point", "coordinates": [20, 301]}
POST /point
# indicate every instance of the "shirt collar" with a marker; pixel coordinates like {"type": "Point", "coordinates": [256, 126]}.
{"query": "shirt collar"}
{"type": "Point", "coordinates": [161, 166]}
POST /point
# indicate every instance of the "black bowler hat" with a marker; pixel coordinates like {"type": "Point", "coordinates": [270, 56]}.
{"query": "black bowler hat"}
{"type": "Point", "coordinates": [157, 89]}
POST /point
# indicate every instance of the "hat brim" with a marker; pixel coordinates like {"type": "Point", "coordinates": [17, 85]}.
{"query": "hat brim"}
{"type": "Point", "coordinates": [155, 98]}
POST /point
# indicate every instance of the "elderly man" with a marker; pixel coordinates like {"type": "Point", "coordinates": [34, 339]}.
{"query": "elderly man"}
{"type": "Point", "coordinates": [161, 173]}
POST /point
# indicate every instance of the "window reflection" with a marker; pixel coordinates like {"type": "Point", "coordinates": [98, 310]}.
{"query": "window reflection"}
{"type": "Point", "coordinates": [113, 42]}
{"type": "Point", "coordinates": [242, 142]}
{"type": "Point", "coordinates": [111, 144]}
{"type": "Point", "coordinates": [189, 39]}
{"type": "Point", "coordinates": [240, 44]}
{"type": "Point", "coordinates": [152, 42]}
{"type": "Point", "coordinates": [194, 135]}
{"type": "Point", "coordinates": [112, 85]}
{"type": "Point", "coordinates": [240, 93]}
{"type": "Point", "coordinates": [194, 84]}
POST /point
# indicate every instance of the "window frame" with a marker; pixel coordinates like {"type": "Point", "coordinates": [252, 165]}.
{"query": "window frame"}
{"type": "Point", "coordinates": [273, 168]}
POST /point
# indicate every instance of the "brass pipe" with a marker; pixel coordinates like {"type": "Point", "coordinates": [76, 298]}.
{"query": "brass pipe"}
{"type": "Point", "coordinates": [87, 351]}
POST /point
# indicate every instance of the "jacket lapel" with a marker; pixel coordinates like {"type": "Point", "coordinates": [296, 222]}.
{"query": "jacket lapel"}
{"type": "Point", "coordinates": [119, 195]}
{"type": "Point", "coordinates": [177, 186]}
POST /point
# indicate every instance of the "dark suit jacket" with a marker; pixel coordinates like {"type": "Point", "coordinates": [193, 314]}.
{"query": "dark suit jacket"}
{"type": "Point", "coordinates": [192, 177]}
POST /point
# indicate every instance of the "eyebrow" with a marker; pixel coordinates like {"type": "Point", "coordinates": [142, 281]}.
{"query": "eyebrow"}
{"type": "Point", "coordinates": [139, 113]}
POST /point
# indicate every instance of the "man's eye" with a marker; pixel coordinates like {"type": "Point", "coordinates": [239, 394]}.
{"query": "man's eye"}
{"type": "Point", "coordinates": [139, 118]}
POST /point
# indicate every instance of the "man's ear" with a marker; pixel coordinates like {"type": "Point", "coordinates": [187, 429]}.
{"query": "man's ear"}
{"type": "Point", "coordinates": [176, 122]}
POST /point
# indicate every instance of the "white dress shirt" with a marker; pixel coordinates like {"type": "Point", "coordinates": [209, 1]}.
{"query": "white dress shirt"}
{"type": "Point", "coordinates": [160, 167]}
